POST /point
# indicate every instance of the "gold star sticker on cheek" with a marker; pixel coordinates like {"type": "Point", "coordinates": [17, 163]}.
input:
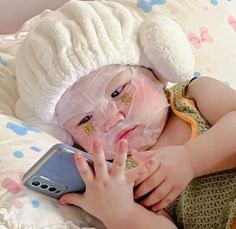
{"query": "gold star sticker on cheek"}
{"type": "Point", "coordinates": [126, 99]}
{"type": "Point", "coordinates": [89, 129]}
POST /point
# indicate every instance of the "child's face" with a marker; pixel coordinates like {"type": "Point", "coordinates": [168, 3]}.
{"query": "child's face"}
{"type": "Point", "coordinates": [130, 105]}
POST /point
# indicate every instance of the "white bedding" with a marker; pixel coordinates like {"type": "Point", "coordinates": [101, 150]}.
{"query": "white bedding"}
{"type": "Point", "coordinates": [211, 29]}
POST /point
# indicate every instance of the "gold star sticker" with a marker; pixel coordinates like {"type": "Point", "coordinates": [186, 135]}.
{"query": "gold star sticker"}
{"type": "Point", "coordinates": [126, 99]}
{"type": "Point", "coordinates": [89, 129]}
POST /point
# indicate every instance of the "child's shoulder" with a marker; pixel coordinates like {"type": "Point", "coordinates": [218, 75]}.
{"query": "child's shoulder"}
{"type": "Point", "coordinates": [213, 97]}
{"type": "Point", "coordinates": [210, 97]}
{"type": "Point", "coordinates": [196, 85]}
{"type": "Point", "coordinates": [185, 107]}
{"type": "Point", "coordinates": [199, 85]}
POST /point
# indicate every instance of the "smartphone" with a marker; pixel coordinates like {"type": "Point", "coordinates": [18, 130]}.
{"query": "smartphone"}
{"type": "Point", "coordinates": [55, 173]}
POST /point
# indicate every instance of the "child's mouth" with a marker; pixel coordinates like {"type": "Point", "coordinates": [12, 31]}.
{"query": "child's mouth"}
{"type": "Point", "coordinates": [124, 134]}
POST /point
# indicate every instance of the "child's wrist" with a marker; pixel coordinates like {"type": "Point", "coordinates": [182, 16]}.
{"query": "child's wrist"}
{"type": "Point", "coordinates": [120, 220]}
{"type": "Point", "coordinates": [190, 154]}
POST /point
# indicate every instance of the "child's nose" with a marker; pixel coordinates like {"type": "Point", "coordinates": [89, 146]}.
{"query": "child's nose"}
{"type": "Point", "coordinates": [113, 120]}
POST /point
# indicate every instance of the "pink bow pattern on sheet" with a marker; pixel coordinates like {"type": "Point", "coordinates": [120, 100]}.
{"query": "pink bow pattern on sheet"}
{"type": "Point", "coordinates": [197, 41]}
{"type": "Point", "coordinates": [232, 22]}
{"type": "Point", "coordinates": [11, 185]}
{"type": "Point", "coordinates": [14, 187]}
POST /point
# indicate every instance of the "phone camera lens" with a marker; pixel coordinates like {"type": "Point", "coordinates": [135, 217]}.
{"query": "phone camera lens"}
{"type": "Point", "coordinates": [58, 191]}
{"type": "Point", "coordinates": [52, 189]}
{"type": "Point", "coordinates": [43, 186]}
{"type": "Point", "coordinates": [35, 183]}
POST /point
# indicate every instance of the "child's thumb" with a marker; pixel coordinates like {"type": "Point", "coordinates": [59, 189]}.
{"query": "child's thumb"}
{"type": "Point", "coordinates": [71, 198]}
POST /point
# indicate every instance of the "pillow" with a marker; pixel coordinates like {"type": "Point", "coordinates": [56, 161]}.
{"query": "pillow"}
{"type": "Point", "coordinates": [21, 146]}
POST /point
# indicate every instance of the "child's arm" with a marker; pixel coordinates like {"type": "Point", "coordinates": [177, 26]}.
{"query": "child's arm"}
{"type": "Point", "coordinates": [216, 149]}
{"type": "Point", "coordinates": [141, 218]}
{"type": "Point", "coordinates": [213, 151]}
{"type": "Point", "coordinates": [109, 192]}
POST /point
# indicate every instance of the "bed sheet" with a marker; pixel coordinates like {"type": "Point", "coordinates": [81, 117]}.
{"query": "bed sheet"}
{"type": "Point", "coordinates": [210, 26]}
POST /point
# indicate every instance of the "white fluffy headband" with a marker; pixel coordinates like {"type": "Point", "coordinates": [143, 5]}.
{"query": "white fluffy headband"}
{"type": "Point", "coordinates": [83, 36]}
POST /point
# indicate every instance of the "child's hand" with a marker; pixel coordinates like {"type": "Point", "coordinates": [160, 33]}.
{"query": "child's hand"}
{"type": "Point", "coordinates": [109, 192]}
{"type": "Point", "coordinates": [167, 178]}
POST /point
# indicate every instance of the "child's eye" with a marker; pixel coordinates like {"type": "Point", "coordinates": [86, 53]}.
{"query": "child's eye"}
{"type": "Point", "coordinates": [85, 119]}
{"type": "Point", "coordinates": [117, 92]}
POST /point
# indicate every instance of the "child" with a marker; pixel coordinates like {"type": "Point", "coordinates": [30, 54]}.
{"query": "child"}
{"type": "Point", "coordinates": [98, 71]}
{"type": "Point", "coordinates": [179, 148]}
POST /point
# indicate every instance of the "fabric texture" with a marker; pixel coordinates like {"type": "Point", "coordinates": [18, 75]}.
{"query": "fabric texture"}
{"type": "Point", "coordinates": [83, 36]}
{"type": "Point", "coordinates": [208, 201]}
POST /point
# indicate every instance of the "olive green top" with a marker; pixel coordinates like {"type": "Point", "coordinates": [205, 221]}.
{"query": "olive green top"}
{"type": "Point", "coordinates": [208, 202]}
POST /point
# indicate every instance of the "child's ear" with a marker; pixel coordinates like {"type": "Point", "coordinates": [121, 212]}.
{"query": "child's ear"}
{"type": "Point", "coordinates": [166, 48]}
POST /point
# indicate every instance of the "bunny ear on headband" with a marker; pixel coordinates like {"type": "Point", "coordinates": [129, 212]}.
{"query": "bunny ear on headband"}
{"type": "Point", "coordinates": [83, 36]}
{"type": "Point", "coordinates": [166, 49]}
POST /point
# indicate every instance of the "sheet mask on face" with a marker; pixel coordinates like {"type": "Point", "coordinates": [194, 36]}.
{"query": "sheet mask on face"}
{"type": "Point", "coordinates": [112, 103]}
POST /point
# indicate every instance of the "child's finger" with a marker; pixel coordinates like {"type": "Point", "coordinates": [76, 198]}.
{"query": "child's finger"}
{"type": "Point", "coordinates": [157, 194]}
{"type": "Point", "coordinates": [72, 198]}
{"type": "Point", "coordinates": [141, 155]}
{"type": "Point", "coordinates": [100, 166]}
{"type": "Point", "coordinates": [170, 197]}
{"type": "Point", "coordinates": [137, 172]}
{"type": "Point", "coordinates": [84, 169]}
{"type": "Point", "coordinates": [151, 171]}
{"type": "Point", "coordinates": [119, 162]}
{"type": "Point", "coordinates": [149, 184]}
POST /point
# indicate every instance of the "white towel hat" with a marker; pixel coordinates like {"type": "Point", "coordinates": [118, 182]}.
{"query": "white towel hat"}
{"type": "Point", "coordinates": [83, 36]}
